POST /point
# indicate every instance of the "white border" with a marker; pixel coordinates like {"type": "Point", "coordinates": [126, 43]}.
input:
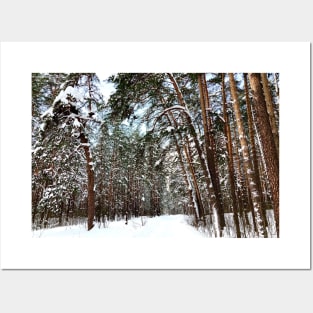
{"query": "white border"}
{"type": "Point", "coordinates": [20, 251]}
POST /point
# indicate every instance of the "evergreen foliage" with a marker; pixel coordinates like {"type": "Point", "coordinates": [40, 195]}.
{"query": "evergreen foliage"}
{"type": "Point", "coordinates": [151, 149]}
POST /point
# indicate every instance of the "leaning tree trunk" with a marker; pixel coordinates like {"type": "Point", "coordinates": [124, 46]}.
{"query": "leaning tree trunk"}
{"type": "Point", "coordinates": [267, 141]}
{"type": "Point", "coordinates": [211, 193]}
{"type": "Point", "coordinates": [255, 196]}
{"type": "Point", "coordinates": [187, 150]}
{"type": "Point", "coordinates": [188, 153]}
{"type": "Point", "coordinates": [188, 185]}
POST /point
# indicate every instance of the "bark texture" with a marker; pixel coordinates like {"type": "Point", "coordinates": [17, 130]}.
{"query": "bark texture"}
{"type": "Point", "coordinates": [255, 196]}
{"type": "Point", "coordinates": [91, 181]}
{"type": "Point", "coordinates": [270, 108]}
{"type": "Point", "coordinates": [267, 141]}
{"type": "Point", "coordinates": [253, 147]}
{"type": "Point", "coordinates": [210, 146]}
{"type": "Point", "coordinates": [230, 161]}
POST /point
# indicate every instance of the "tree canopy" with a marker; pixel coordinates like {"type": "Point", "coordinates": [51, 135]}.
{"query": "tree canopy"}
{"type": "Point", "coordinates": [163, 143]}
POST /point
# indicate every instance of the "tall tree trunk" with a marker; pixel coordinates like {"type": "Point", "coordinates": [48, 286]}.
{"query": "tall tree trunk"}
{"type": "Point", "coordinates": [270, 109]}
{"type": "Point", "coordinates": [230, 161]}
{"type": "Point", "coordinates": [255, 196]}
{"type": "Point", "coordinates": [253, 148]}
{"type": "Point", "coordinates": [111, 187]}
{"type": "Point", "coordinates": [89, 165]}
{"type": "Point", "coordinates": [91, 180]}
{"type": "Point", "coordinates": [210, 146]}
{"type": "Point", "coordinates": [211, 193]}
{"type": "Point", "coordinates": [267, 141]}
{"type": "Point", "coordinates": [188, 154]}
{"type": "Point", "coordinates": [188, 185]}
{"type": "Point", "coordinates": [244, 202]}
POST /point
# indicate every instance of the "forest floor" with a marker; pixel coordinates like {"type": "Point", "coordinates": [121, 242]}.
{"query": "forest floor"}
{"type": "Point", "coordinates": [165, 226]}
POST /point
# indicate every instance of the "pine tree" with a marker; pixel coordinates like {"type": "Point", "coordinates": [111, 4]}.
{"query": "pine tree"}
{"type": "Point", "coordinates": [230, 159]}
{"type": "Point", "coordinates": [163, 143]}
{"type": "Point", "coordinates": [256, 200]}
{"type": "Point", "coordinates": [210, 147]}
{"type": "Point", "coordinates": [267, 141]}
{"type": "Point", "coordinates": [67, 120]}
{"type": "Point", "coordinates": [270, 108]}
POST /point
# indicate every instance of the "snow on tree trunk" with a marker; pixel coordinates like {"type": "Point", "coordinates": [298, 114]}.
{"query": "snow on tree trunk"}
{"type": "Point", "coordinates": [230, 161]}
{"type": "Point", "coordinates": [255, 196]}
{"type": "Point", "coordinates": [199, 202]}
{"type": "Point", "coordinates": [267, 141]}
{"type": "Point", "coordinates": [171, 118]}
{"type": "Point", "coordinates": [253, 148]}
{"type": "Point", "coordinates": [204, 166]}
{"type": "Point", "coordinates": [210, 148]}
{"type": "Point", "coordinates": [91, 181]}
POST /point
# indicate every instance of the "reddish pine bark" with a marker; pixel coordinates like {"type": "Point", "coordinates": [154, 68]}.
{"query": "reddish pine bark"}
{"type": "Point", "coordinates": [255, 196]}
{"type": "Point", "coordinates": [267, 141]}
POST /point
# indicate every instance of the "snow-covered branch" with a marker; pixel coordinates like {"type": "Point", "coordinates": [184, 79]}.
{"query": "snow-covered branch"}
{"type": "Point", "coordinates": [172, 108]}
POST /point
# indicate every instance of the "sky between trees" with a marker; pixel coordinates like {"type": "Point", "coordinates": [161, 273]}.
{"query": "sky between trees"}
{"type": "Point", "coordinates": [145, 144]}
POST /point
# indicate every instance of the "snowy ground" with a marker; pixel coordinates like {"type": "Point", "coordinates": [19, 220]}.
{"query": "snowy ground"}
{"type": "Point", "coordinates": [165, 226]}
{"type": "Point", "coordinates": [164, 242]}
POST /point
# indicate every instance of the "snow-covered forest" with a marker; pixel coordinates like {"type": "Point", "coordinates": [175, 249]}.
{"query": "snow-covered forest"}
{"type": "Point", "coordinates": [132, 146]}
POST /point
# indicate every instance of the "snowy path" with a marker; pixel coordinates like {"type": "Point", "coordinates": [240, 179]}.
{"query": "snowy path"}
{"type": "Point", "coordinates": [166, 226]}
